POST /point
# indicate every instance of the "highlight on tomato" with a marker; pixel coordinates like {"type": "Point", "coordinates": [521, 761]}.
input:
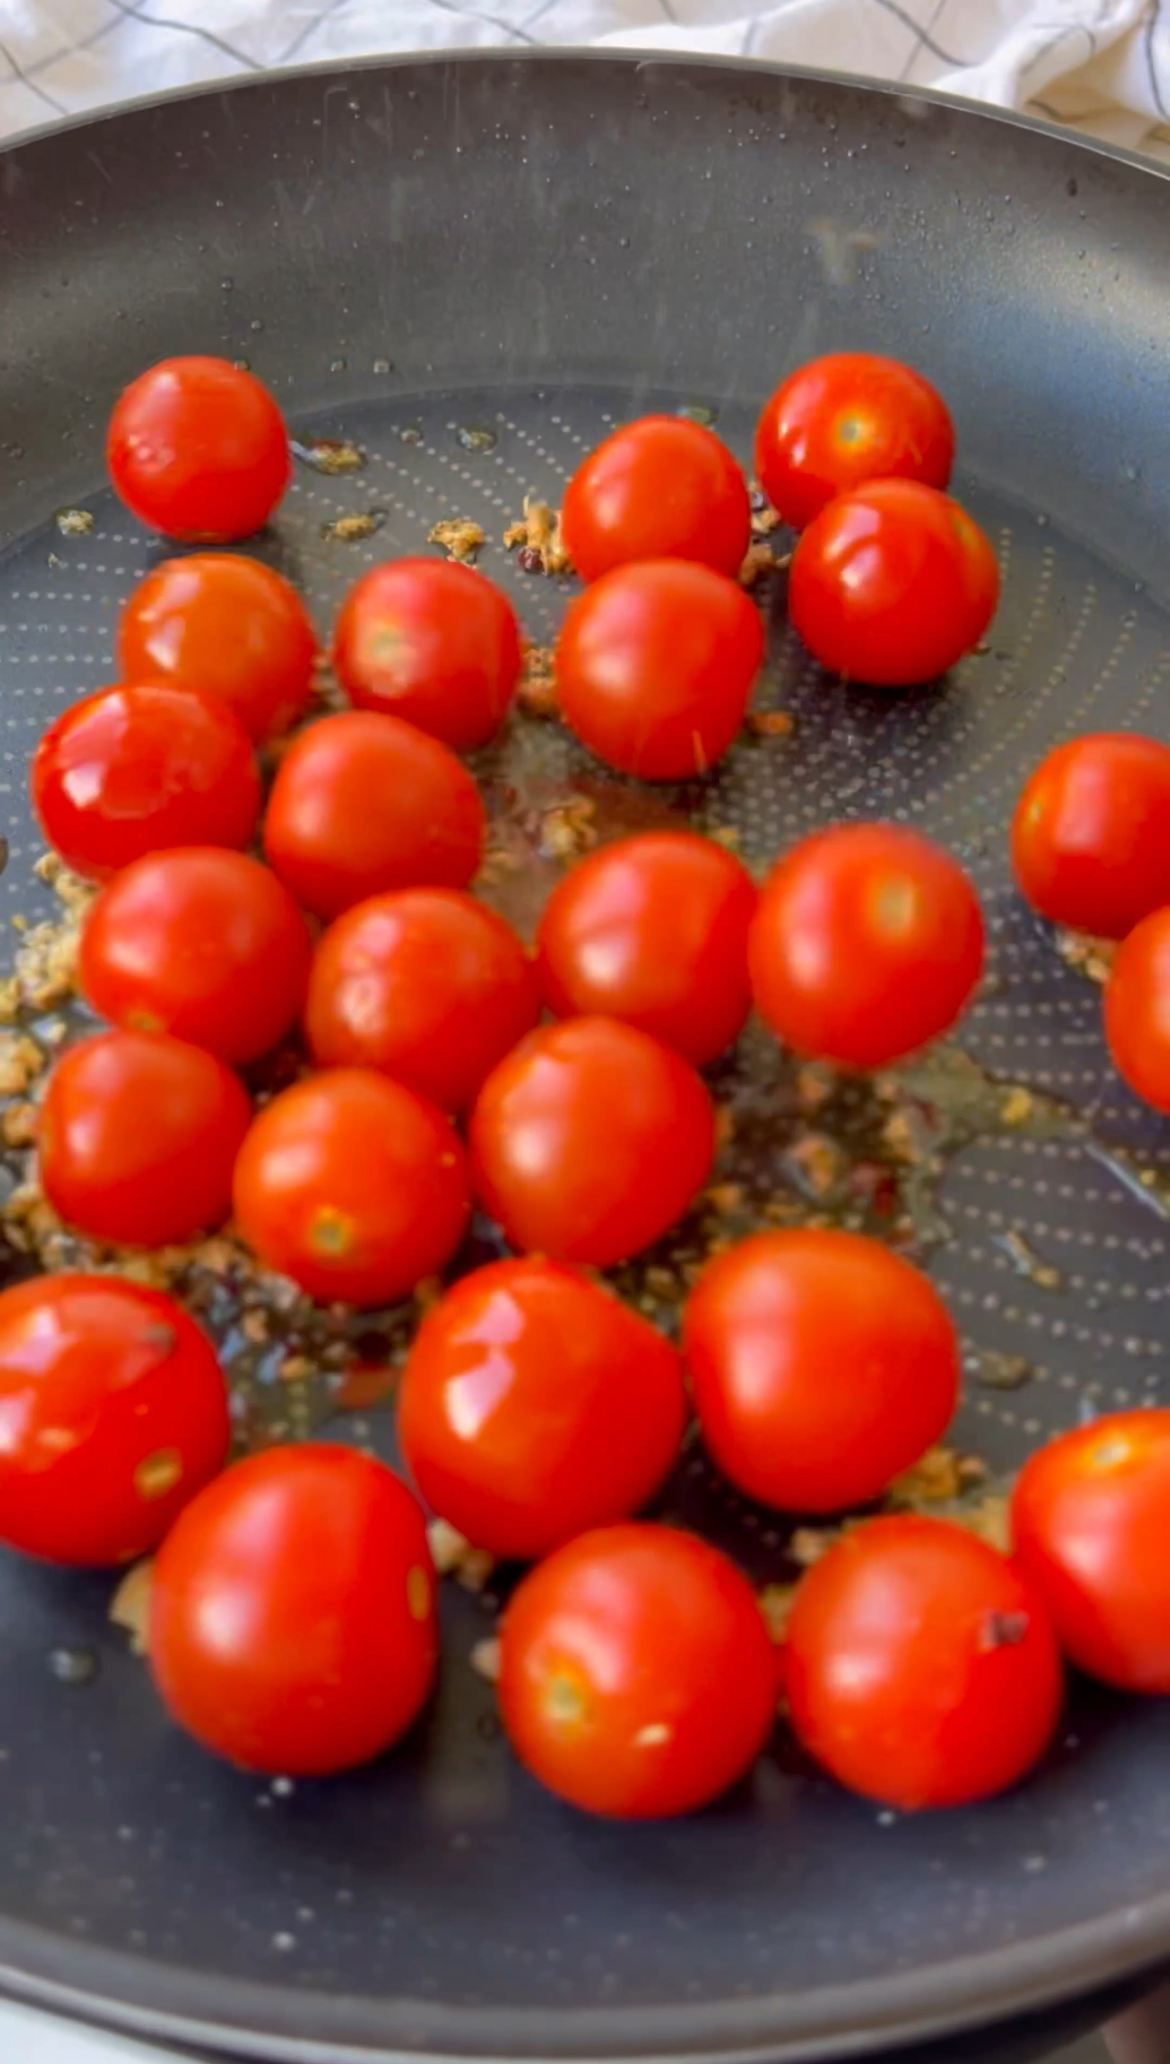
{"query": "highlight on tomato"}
{"type": "Point", "coordinates": [197, 448]}
{"type": "Point", "coordinates": [229, 626]}
{"type": "Point", "coordinates": [846, 419]}
{"type": "Point", "coordinates": [432, 642]}
{"type": "Point", "coordinates": [659, 488]}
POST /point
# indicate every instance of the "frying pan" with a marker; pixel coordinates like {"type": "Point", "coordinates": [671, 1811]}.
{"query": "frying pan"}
{"type": "Point", "coordinates": [470, 268]}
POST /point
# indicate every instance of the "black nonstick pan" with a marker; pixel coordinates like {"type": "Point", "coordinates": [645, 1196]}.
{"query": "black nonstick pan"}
{"type": "Point", "coordinates": [469, 268]}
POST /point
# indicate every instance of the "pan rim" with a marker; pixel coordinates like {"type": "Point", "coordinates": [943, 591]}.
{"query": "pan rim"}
{"type": "Point", "coordinates": [254, 2018]}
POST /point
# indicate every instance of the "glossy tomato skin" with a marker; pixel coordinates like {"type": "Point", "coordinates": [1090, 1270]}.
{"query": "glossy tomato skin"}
{"type": "Point", "coordinates": [512, 1399]}
{"type": "Point", "coordinates": [637, 1678]}
{"type": "Point", "coordinates": [821, 1366]}
{"type": "Point", "coordinates": [920, 1666]}
{"type": "Point", "coordinates": [364, 803]}
{"type": "Point", "coordinates": [589, 1140]}
{"type": "Point", "coordinates": [433, 643]}
{"type": "Point", "coordinates": [138, 1137]}
{"type": "Point", "coordinates": [867, 943]}
{"type": "Point", "coordinates": [353, 1186]}
{"type": "Point", "coordinates": [846, 419]}
{"type": "Point", "coordinates": [114, 1413]}
{"type": "Point", "coordinates": [292, 1612]}
{"type": "Point", "coordinates": [228, 625]}
{"type": "Point", "coordinates": [1137, 1009]}
{"type": "Point", "coordinates": [660, 488]}
{"type": "Point", "coordinates": [201, 943]}
{"type": "Point", "coordinates": [653, 930]}
{"type": "Point", "coordinates": [426, 985]}
{"type": "Point", "coordinates": [891, 584]}
{"type": "Point", "coordinates": [132, 770]}
{"type": "Point", "coordinates": [197, 448]}
{"type": "Point", "coordinates": [1091, 1526]}
{"type": "Point", "coordinates": [1091, 833]}
{"type": "Point", "coordinates": [655, 664]}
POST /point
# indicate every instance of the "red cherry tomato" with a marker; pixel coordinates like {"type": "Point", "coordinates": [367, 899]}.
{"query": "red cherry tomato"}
{"type": "Point", "coordinates": [919, 1666]}
{"type": "Point", "coordinates": [1091, 1524]}
{"type": "Point", "coordinates": [660, 488]}
{"type": "Point", "coordinates": [821, 1366]}
{"type": "Point", "coordinates": [636, 1674]}
{"type": "Point", "coordinates": [891, 584]}
{"type": "Point", "coordinates": [292, 1612]}
{"type": "Point", "coordinates": [130, 770]}
{"type": "Point", "coordinates": [653, 930]}
{"type": "Point", "coordinates": [1137, 1009]}
{"type": "Point", "coordinates": [138, 1136]}
{"type": "Point", "coordinates": [197, 448]}
{"type": "Point", "coordinates": [589, 1140]}
{"type": "Point", "coordinates": [362, 803]}
{"type": "Point", "coordinates": [1091, 833]}
{"type": "Point", "coordinates": [427, 985]}
{"type": "Point", "coordinates": [228, 625]}
{"type": "Point", "coordinates": [113, 1413]}
{"type": "Point", "coordinates": [353, 1186]}
{"type": "Point", "coordinates": [846, 419]}
{"type": "Point", "coordinates": [867, 944]}
{"type": "Point", "coordinates": [200, 943]}
{"type": "Point", "coordinates": [432, 643]}
{"type": "Point", "coordinates": [507, 1412]}
{"type": "Point", "coordinates": [655, 664]}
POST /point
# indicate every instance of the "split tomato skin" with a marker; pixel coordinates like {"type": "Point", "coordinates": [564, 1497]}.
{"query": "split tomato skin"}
{"type": "Point", "coordinates": [653, 930]}
{"type": "Point", "coordinates": [920, 1666]}
{"type": "Point", "coordinates": [138, 1137]}
{"type": "Point", "coordinates": [655, 664]}
{"type": "Point", "coordinates": [433, 643]}
{"type": "Point", "coordinates": [201, 943]}
{"type": "Point", "coordinates": [1137, 1010]}
{"type": "Point", "coordinates": [764, 1326]}
{"type": "Point", "coordinates": [660, 488]}
{"type": "Point", "coordinates": [637, 1678]}
{"type": "Point", "coordinates": [228, 626]}
{"type": "Point", "coordinates": [589, 1140]}
{"type": "Point", "coordinates": [1090, 836]}
{"type": "Point", "coordinates": [427, 985]}
{"type": "Point", "coordinates": [509, 1402]}
{"type": "Point", "coordinates": [891, 584]}
{"type": "Point", "coordinates": [113, 1413]}
{"type": "Point", "coordinates": [197, 449]}
{"type": "Point", "coordinates": [131, 770]}
{"type": "Point", "coordinates": [353, 1186]}
{"type": "Point", "coordinates": [292, 1612]}
{"type": "Point", "coordinates": [846, 419]}
{"type": "Point", "coordinates": [1091, 1525]}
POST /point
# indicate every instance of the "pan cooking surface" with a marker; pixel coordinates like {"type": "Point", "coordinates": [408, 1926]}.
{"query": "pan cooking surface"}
{"type": "Point", "coordinates": [442, 1879]}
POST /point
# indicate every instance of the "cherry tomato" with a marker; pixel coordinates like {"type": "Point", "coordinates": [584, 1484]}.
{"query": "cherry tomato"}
{"type": "Point", "coordinates": [920, 1667]}
{"type": "Point", "coordinates": [821, 1366]}
{"type": "Point", "coordinates": [637, 1678]}
{"type": "Point", "coordinates": [868, 943]}
{"type": "Point", "coordinates": [589, 1140]}
{"type": "Point", "coordinates": [138, 1136]}
{"type": "Point", "coordinates": [1091, 833]}
{"type": "Point", "coordinates": [1137, 1009]}
{"type": "Point", "coordinates": [660, 488]}
{"type": "Point", "coordinates": [433, 643]}
{"type": "Point", "coordinates": [292, 1612]}
{"type": "Point", "coordinates": [353, 1186]}
{"type": "Point", "coordinates": [1091, 1523]}
{"type": "Point", "coordinates": [655, 664]}
{"type": "Point", "coordinates": [846, 419]}
{"type": "Point", "coordinates": [228, 625]}
{"type": "Point", "coordinates": [113, 1413]}
{"type": "Point", "coordinates": [201, 943]}
{"type": "Point", "coordinates": [362, 803]}
{"type": "Point", "coordinates": [653, 930]}
{"type": "Point", "coordinates": [130, 770]}
{"type": "Point", "coordinates": [507, 1413]}
{"type": "Point", "coordinates": [425, 984]}
{"type": "Point", "coordinates": [197, 448]}
{"type": "Point", "coordinates": [891, 584]}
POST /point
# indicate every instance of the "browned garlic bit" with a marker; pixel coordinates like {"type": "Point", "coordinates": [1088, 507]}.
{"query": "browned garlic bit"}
{"type": "Point", "coordinates": [459, 538]}
{"type": "Point", "coordinates": [537, 539]}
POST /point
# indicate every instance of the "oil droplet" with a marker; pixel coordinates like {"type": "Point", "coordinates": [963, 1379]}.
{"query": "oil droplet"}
{"type": "Point", "coordinates": [255, 323]}
{"type": "Point", "coordinates": [697, 412]}
{"type": "Point", "coordinates": [338, 365]}
{"type": "Point", "coordinates": [476, 437]}
{"type": "Point", "coordinates": [381, 365]}
{"type": "Point", "coordinates": [73, 1665]}
{"type": "Point", "coordinates": [226, 285]}
{"type": "Point", "coordinates": [242, 365]}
